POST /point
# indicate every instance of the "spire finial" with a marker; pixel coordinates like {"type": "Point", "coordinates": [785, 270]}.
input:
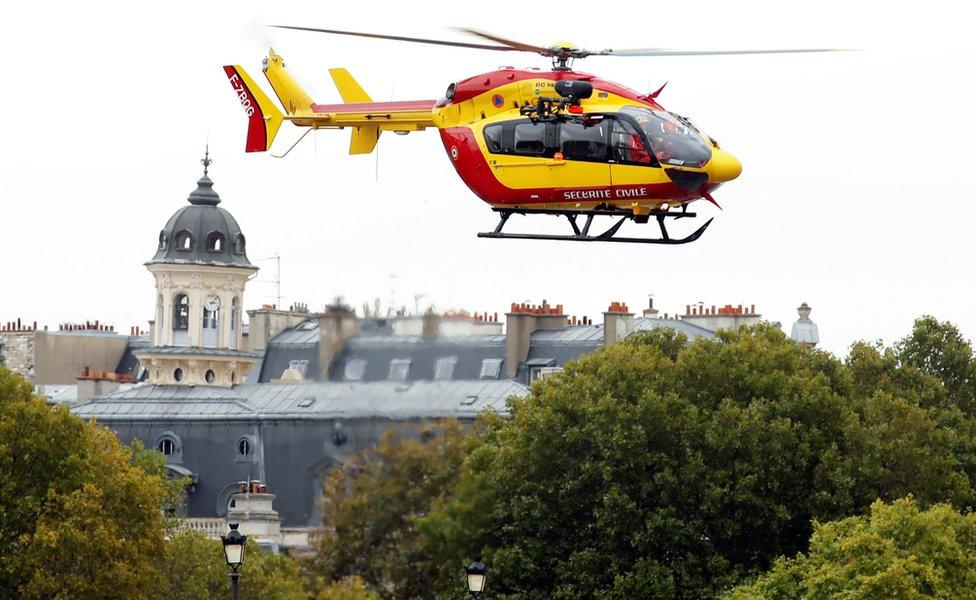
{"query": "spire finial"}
{"type": "Point", "coordinates": [206, 160]}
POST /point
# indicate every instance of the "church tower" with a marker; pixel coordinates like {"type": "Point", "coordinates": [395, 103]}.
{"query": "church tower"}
{"type": "Point", "coordinates": [201, 268]}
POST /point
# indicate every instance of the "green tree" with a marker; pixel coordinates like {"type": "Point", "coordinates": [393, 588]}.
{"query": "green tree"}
{"type": "Point", "coordinates": [371, 509]}
{"type": "Point", "coordinates": [80, 514]}
{"type": "Point", "coordinates": [350, 588]}
{"type": "Point", "coordinates": [899, 551]}
{"type": "Point", "coordinates": [194, 569]}
{"type": "Point", "coordinates": [938, 349]}
{"type": "Point", "coordinates": [662, 468]}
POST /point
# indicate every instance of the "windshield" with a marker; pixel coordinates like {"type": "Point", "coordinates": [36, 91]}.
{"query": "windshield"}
{"type": "Point", "coordinates": [674, 141]}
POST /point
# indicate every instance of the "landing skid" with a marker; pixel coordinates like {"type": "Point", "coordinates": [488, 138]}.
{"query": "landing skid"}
{"type": "Point", "coordinates": [583, 234]}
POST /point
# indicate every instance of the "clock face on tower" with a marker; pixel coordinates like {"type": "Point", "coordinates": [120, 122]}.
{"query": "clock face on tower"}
{"type": "Point", "coordinates": [211, 303]}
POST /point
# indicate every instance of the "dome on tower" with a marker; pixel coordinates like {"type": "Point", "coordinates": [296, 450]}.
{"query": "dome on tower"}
{"type": "Point", "coordinates": [202, 233]}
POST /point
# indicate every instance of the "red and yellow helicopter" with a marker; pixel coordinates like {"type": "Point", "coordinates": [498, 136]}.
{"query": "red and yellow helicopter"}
{"type": "Point", "coordinates": [527, 141]}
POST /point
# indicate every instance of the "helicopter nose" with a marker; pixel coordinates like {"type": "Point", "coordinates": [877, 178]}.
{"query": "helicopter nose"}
{"type": "Point", "coordinates": [722, 166]}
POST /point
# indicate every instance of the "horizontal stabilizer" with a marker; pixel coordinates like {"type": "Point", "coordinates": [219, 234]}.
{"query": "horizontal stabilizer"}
{"type": "Point", "coordinates": [349, 88]}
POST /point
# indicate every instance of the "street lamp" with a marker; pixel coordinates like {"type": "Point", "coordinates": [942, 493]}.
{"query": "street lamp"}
{"type": "Point", "coordinates": [477, 573]}
{"type": "Point", "coordinates": [234, 553]}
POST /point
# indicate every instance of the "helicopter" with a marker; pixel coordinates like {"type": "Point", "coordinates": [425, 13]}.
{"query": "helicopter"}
{"type": "Point", "coordinates": [527, 142]}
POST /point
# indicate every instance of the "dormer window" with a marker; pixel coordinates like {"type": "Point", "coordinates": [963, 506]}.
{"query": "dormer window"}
{"type": "Point", "coordinates": [215, 242]}
{"type": "Point", "coordinates": [184, 241]}
{"type": "Point", "coordinates": [239, 244]}
{"type": "Point", "coordinates": [444, 368]}
{"type": "Point", "coordinates": [490, 368]}
{"type": "Point", "coordinates": [163, 240]}
{"type": "Point", "coordinates": [399, 369]}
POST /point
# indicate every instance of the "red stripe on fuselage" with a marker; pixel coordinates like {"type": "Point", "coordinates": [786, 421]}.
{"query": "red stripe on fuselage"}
{"type": "Point", "coordinates": [478, 175]}
{"type": "Point", "coordinates": [357, 107]}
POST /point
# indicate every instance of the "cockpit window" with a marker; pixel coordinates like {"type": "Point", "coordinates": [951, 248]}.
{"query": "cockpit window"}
{"type": "Point", "coordinates": [673, 141]}
{"type": "Point", "coordinates": [626, 145]}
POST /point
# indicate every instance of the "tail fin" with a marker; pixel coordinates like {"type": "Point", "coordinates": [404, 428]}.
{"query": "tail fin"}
{"type": "Point", "coordinates": [291, 95]}
{"type": "Point", "coordinates": [264, 118]}
{"type": "Point", "coordinates": [364, 138]}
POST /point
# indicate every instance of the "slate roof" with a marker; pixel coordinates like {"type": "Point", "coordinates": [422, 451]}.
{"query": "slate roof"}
{"type": "Point", "coordinates": [284, 401]}
{"type": "Point", "coordinates": [201, 219]}
{"type": "Point", "coordinates": [556, 348]}
{"type": "Point", "coordinates": [377, 349]}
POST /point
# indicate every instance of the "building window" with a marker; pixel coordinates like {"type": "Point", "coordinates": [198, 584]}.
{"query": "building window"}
{"type": "Point", "coordinates": [211, 318]}
{"type": "Point", "coordinates": [233, 315]}
{"type": "Point", "coordinates": [211, 321]}
{"type": "Point", "coordinates": [244, 447]}
{"type": "Point", "coordinates": [215, 241]}
{"type": "Point", "coordinates": [355, 369]}
{"type": "Point", "coordinates": [300, 365]}
{"type": "Point", "coordinates": [166, 446]}
{"type": "Point", "coordinates": [210, 376]}
{"type": "Point", "coordinates": [490, 368]}
{"type": "Point", "coordinates": [444, 368]}
{"type": "Point", "coordinates": [536, 373]}
{"type": "Point", "coordinates": [163, 240]}
{"type": "Point", "coordinates": [239, 244]}
{"type": "Point", "coordinates": [181, 312]}
{"type": "Point", "coordinates": [184, 241]}
{"type": "Point", "coordinates": [399, 369]}
{"type": "Point", "coordinates": [178, 375]}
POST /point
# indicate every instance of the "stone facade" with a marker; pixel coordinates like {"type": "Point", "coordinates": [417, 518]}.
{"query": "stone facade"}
{"type": "Point", "coordinates": [18, 349]}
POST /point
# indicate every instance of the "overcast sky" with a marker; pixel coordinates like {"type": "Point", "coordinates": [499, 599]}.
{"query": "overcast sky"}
{"type": "Point", "coordinates": [855, 195]}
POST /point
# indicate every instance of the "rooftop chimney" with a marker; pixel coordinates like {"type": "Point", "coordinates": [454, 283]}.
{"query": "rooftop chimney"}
{"type": "Point", "coordinates": [430, 326]}
{"type": "Point", "coordinates": [521, 322]}
{"type": "Point", "coordinates": [336, 326]}
{"type": "Point", "coordinates": [650, 312]}
{"type": "Point", "coordinates": [618, 323]}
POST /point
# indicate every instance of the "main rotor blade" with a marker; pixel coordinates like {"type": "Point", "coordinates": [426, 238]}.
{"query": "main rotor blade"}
{"type": "Point", "coordinates": [666, 52]}
{"type": "Point", "coordinates": [400, 38]}
{"type": "Point", "coordinates": [511, 44]}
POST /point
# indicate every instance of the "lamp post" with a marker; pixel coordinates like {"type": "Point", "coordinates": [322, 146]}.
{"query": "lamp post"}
{"type": "Point", "coordinates": [477, 573]}
{"type": "Point", "coordinates": [234, 553]}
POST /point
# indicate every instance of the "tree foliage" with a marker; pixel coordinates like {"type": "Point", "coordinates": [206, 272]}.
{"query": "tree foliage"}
{"type": "Point", "coordinates": [898, 551]}
{"type": "Point", "coordinates": [663, 468]}
{"type": "Point", "coordinates": [371, 509]}
{"type": "Point", "coordinates": [80, 514]}
{"type": "Point", "coordinates": [194, 569]}
{"type": "Point", "coordinates": [660, 468]}
{"type": "Point", "coordinates": [350, 588]}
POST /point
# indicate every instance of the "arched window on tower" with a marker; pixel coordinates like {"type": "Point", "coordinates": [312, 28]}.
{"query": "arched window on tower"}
{"type": "Point", "coordinates": [215, 241]}
{"type": "Point", "coordinates": [163, 240]}
{"type": "Point", "coordinates": [184, 241]}
{"type": "Point", "coordinates": [181, 320]}
{"type": "Point", "coordinates": [239, 244]}
{"type": "Point", "coordinates": [211, 321]}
